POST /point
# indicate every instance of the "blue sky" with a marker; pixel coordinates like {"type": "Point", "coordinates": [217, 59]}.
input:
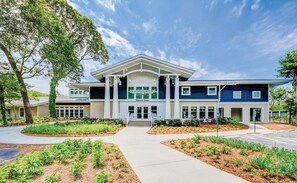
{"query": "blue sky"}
{"type": "Point", "coordinates": [221, 39]}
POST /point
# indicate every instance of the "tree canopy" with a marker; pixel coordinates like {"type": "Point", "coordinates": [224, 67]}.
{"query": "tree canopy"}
{"type": "Point", "coordinates": [288, 67]}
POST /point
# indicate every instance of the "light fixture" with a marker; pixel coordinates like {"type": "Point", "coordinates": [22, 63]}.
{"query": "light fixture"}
{"type": "Point", "coordinates": [129, 80]}
{"type": "Point", "coordinates": [154, 80]}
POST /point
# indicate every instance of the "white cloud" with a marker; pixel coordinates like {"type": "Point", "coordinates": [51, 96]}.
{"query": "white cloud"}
{"type": "Point", "coordinates": [256, 5]}
{"type": "Point", "coordinates": [237, 10]}
{"type": "Point", "coordinates": [227, 1]}
{"type": "Point", "coordinates": [219, 75]}
{"type": "Point", "coordinates": [212, 4]}
{"type": "Point", "coordinates": [72, 4]}
{"type": "Point", "coordinates": [108, 4]}
{"type": "Point", "coordinates": [149, 26]}
{"type": "Point", "coordinates": [120, 46]}
{"type": "Point", "coordinates": [162, 54]}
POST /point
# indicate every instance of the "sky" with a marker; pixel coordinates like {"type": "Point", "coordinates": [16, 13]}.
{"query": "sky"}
{"type": "Point", "coordinates": [220, 39]}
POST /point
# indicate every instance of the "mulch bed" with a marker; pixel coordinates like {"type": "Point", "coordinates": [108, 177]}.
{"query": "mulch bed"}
{"type": "Point", "coordinates": [278, 126]}
{"type": "Point", "coordinates": [114, 162]}
{"type": "Point", "coordinates": [225, 161]}
{"type": "Point", "coordinates": [204, 128]}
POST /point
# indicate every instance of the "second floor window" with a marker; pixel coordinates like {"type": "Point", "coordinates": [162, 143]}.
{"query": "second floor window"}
{"type": "Point", "coordinates": [236, 94]}
{"type": "Point", "coordinates": [256, 94]}
{"type": "Point", "coordinates": [186, 91]}
{"type": "Point", "coordinates": [212, 90]}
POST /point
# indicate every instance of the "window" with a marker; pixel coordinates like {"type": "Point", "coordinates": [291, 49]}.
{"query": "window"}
{"type": "Point", "coordinates": [130, 94]}
{"type": "Point", "coordinates": [131, 110]}
{"type": "Point", "coordinates": [236, 94]}
{"type": "Point", "coordinates": [185, 112]}
{"type": "Point", "coordinates": [256, 94]}
{"type": "Point", "coordinates": [154, 92]}
{"type": "Point", "coordinates": [210, 112]}
{"type": "Point", "coordinates": [22, 112]}
{"type": "Point", "coordinates": [193, 112]}
{"type": "Point", "coordinates": [186, 90]}
{"type": "Point", "coordinates": [145, 95]}
{"type": "Point", "coordinates": [81, 112]}
{"type": "Point", "coordinates": [212, 90]}
{"type": "Point", "coordinates": [66, 112]}
{"type": "Point", "coordinates": [154, 110]}
{"type": "Point", "coordinates": [138, 94]}
{"type": "Point", "coordinates": [202, 110]}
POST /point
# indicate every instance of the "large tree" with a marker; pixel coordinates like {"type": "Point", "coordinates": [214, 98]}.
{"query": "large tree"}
{"type": "Point", "coordinates": [86, 42]}
{"type": "Point", "coordinates": [288, 67]}
{"type": "Point", "coordinates": [277, 95]}
{"type": "Point", "coordinates": [21, 40]}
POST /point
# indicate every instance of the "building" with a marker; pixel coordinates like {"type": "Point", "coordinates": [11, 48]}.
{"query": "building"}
{"type": "Point", "coordinates": [144, 88]}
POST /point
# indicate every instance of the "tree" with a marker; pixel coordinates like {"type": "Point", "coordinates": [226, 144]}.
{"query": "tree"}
{"type": "Point", "coordinates": [21, 39]}
{"type": "Point", "coordinates": [9, 91]}
{"type": "Point", "coordinates": [288, 67]}
{"type": "Point", "coordinates": [292, 104]}
{"type": "Point", "coordinates": [86, 42]}
{"type": "Point", "coordinates": [277, 95]}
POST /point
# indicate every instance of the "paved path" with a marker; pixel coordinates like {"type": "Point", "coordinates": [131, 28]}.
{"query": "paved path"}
{"type": "Point", "coordinates": [152, 161]}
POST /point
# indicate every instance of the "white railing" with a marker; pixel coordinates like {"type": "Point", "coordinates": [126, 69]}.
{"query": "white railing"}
{"type": "Point", "coordinates": [127, 119]}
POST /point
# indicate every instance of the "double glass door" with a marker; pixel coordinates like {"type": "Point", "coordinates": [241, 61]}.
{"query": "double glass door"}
{"type": "Point", "coordinates": [142, 112]}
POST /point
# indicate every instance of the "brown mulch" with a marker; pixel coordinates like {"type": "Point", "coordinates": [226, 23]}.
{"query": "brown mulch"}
{"type": "Point", "coordinates": [204, 128]}
{"type": "Point", "coordinates": [278, 126]}
{"type": "Point", "coordinates": [114, 162]}
{"type": "Point", "coordinates": [24, 149]}
{"type": "Point", "coordinates": [225, 161]}
{"type": "Point", "coordinates": [76, 135]}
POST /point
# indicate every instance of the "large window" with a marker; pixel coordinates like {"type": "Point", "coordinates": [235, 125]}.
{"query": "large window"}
{"type": "Point", "coordinates": [66, 111]}
{"type": "Point", "coordinates": [193, 112]}
{"type": "Point", "coordinates": [186, 90]}
{"type": "Point", "coordinates": [154, 94]}
{"type": "Point", "coordinates": [212, 90]}
{"type": "Point", "coordinates": [211, 112]}
{"type": "Point", "coordinates": [185, 112]}
{"type": "Point", "coordinates": [256, 94]}
{"type": "Point", "coordinates": [130, 94]}
{"type": "Point", "coordinates": [22, 112]}
{"type": "Point", "coordinates": [138, 94]}
{"type": "Point", "coordinates": [236, 94]}
{"type": "Point", "coordinates": [146, 94]}
{"type": "Point", "coordinates": [202, 112]}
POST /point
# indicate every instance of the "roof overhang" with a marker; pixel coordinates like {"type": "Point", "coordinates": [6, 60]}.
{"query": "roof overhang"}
{"type": "Point", "coordinates": [85, 85]}
{"type": "Point", "coordinates": [160, 67]}
{"type": "Point", "coordinates": [271, 82]}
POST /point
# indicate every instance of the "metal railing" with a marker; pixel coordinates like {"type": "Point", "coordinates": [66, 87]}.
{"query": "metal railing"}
{"type": "Point", "coordinates": [153, 117]}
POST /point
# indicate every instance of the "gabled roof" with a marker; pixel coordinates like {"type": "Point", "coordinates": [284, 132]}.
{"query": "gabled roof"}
{"type": "Point", "coordinates": [149, 61]}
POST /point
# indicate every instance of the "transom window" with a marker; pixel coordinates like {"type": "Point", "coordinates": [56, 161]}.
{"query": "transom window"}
{"type": "Point", "coordinates": [66, 111]}
{"type": "Point", "coordinates": [186, 91]}
{"type": "Point", "coordinates": [212, 90]}
{"type": "Point", "coordinates": [236, 94]}
{"type": "Point", "coordinates": [142, 92]}
{"type": "Point", "coordinates": [76, 91]}
{"type": "Point", "coordinates": [256, 94]}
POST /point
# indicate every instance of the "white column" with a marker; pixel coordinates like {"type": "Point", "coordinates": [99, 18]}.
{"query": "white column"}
{"type": "Point", "coordinates": [176, 98]}
{"type": "Point", "coordinates": [167, 107]}
{"type": "Point", "coordinates": [115, 103]}
{"type": "Point", "coordinates": [106, 99]}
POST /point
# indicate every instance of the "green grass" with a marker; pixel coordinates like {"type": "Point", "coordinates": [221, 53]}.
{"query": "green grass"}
{"type": "Point", "coordinates": [74, 128]}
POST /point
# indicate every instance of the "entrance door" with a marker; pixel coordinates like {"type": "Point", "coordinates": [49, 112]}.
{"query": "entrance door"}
{"type": "Point", "coordinates": [142, 112]}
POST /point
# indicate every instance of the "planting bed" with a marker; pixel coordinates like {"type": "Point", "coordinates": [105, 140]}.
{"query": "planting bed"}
{"type": "Point", "coordinates": [191, 129]}
{"type": "Point", "coordinates": [70, 161]}
{"type": "Point", "coordinates": [250, 161]}
{"type": "Point", "coordinates": [278, 126]}
{"type": "Point", "coordinates": [74, 129]}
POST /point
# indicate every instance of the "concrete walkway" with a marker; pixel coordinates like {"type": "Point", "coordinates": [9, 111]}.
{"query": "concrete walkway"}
{"type": "Point", "coordinates": [152, 161]}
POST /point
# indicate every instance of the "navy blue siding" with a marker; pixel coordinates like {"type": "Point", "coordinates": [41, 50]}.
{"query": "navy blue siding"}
{"type": "Point", "coordinates": [99, 92]}
{"type": "Point", "coordinates": [123, 88]}
{"type": "Point", "coordinates": [162, 87]}
{"type": "Point", "coordinates": [246, 93]}
{"type": "Point", "coordinates": [197, 92]}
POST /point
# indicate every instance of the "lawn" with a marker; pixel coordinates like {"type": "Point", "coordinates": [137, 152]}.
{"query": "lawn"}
{"type": "Point", "coordinates": [192, 129]}
{"type": "Point", "coordinates": [73, 129]}
{"type": "Point", "coordinates": [70, 161]}
{"type": "Point", "coordinates": [250, 161]}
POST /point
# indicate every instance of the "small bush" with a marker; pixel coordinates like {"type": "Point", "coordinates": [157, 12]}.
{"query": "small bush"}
{"type": "Point", "coordinates": [103, 176]}
{"type": "Point", "coordinates": [76, 168]}
{"type": "Point", "coordinates": [52, 178]}
{"type": "Point", "coordinates": [243, 152]}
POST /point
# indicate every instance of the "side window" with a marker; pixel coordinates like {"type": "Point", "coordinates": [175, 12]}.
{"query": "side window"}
{"type": "Point", "coordinates": [256, 94]}
{"type": "Point", "coordinates": [154, 92]}
{"type": "Point", "coordinates": [186, 91]}
{"type": "Point", "coordinates": [146, 94]}
{"type": "Point", "coordinates": [236, 94]}
{"type": "Point", "coordinates": [22, 112]}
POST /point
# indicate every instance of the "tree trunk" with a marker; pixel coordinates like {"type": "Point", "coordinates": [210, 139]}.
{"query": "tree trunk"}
{"type": "Point", "coordinates": [2, 105]}
{"type": "Point", "coordinates": [23, 89]}
{"type": "Point", "coordinates": [52, 98]}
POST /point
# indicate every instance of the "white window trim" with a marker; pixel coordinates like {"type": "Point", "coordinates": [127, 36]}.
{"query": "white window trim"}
{"type": "Point", "coordinates": [237, 97]}
{"type": "Point", "coordinates": [209, 87]}
{"type": "Point", "coordinates": [256, 97]}
{"type": "Point", "coordinates": [182, 90]}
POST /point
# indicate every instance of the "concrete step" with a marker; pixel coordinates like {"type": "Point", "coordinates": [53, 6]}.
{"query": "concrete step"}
{"type": "Point", "coordinates": [139, 123]}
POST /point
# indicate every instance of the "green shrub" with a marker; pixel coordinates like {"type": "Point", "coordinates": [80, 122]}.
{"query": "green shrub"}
{"type": "Point", "coordinates": [196, 139]}
{"type": "Point", "coordinates": [195, 122]}
{"type": "Point", "coordinates": [225, 149]}
{"type": "Point", "coordinates": [237, 161]}
{"type": "Point", "coordinates": [52, 178]}
{"type": "Point", "coordinates": [76, 168]}
{"type": "Point", "coordinates": [234, 121]}
{"type": "Point", "coordinates": [46, 157]}
{"type": "Point", "coordinates": [243, 152]}
{"type": "Point", "coordinates": [103, 176]}
{"type": "Point", "coordinates": [212, 150]}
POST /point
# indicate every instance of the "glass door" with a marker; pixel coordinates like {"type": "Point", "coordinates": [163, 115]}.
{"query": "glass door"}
{"type": "Point", "coordinates": [139, 112]}
{"type": "Point", "coordinates": [142, 112]}
{"type": "Point", "coordinates": [145, 112]}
